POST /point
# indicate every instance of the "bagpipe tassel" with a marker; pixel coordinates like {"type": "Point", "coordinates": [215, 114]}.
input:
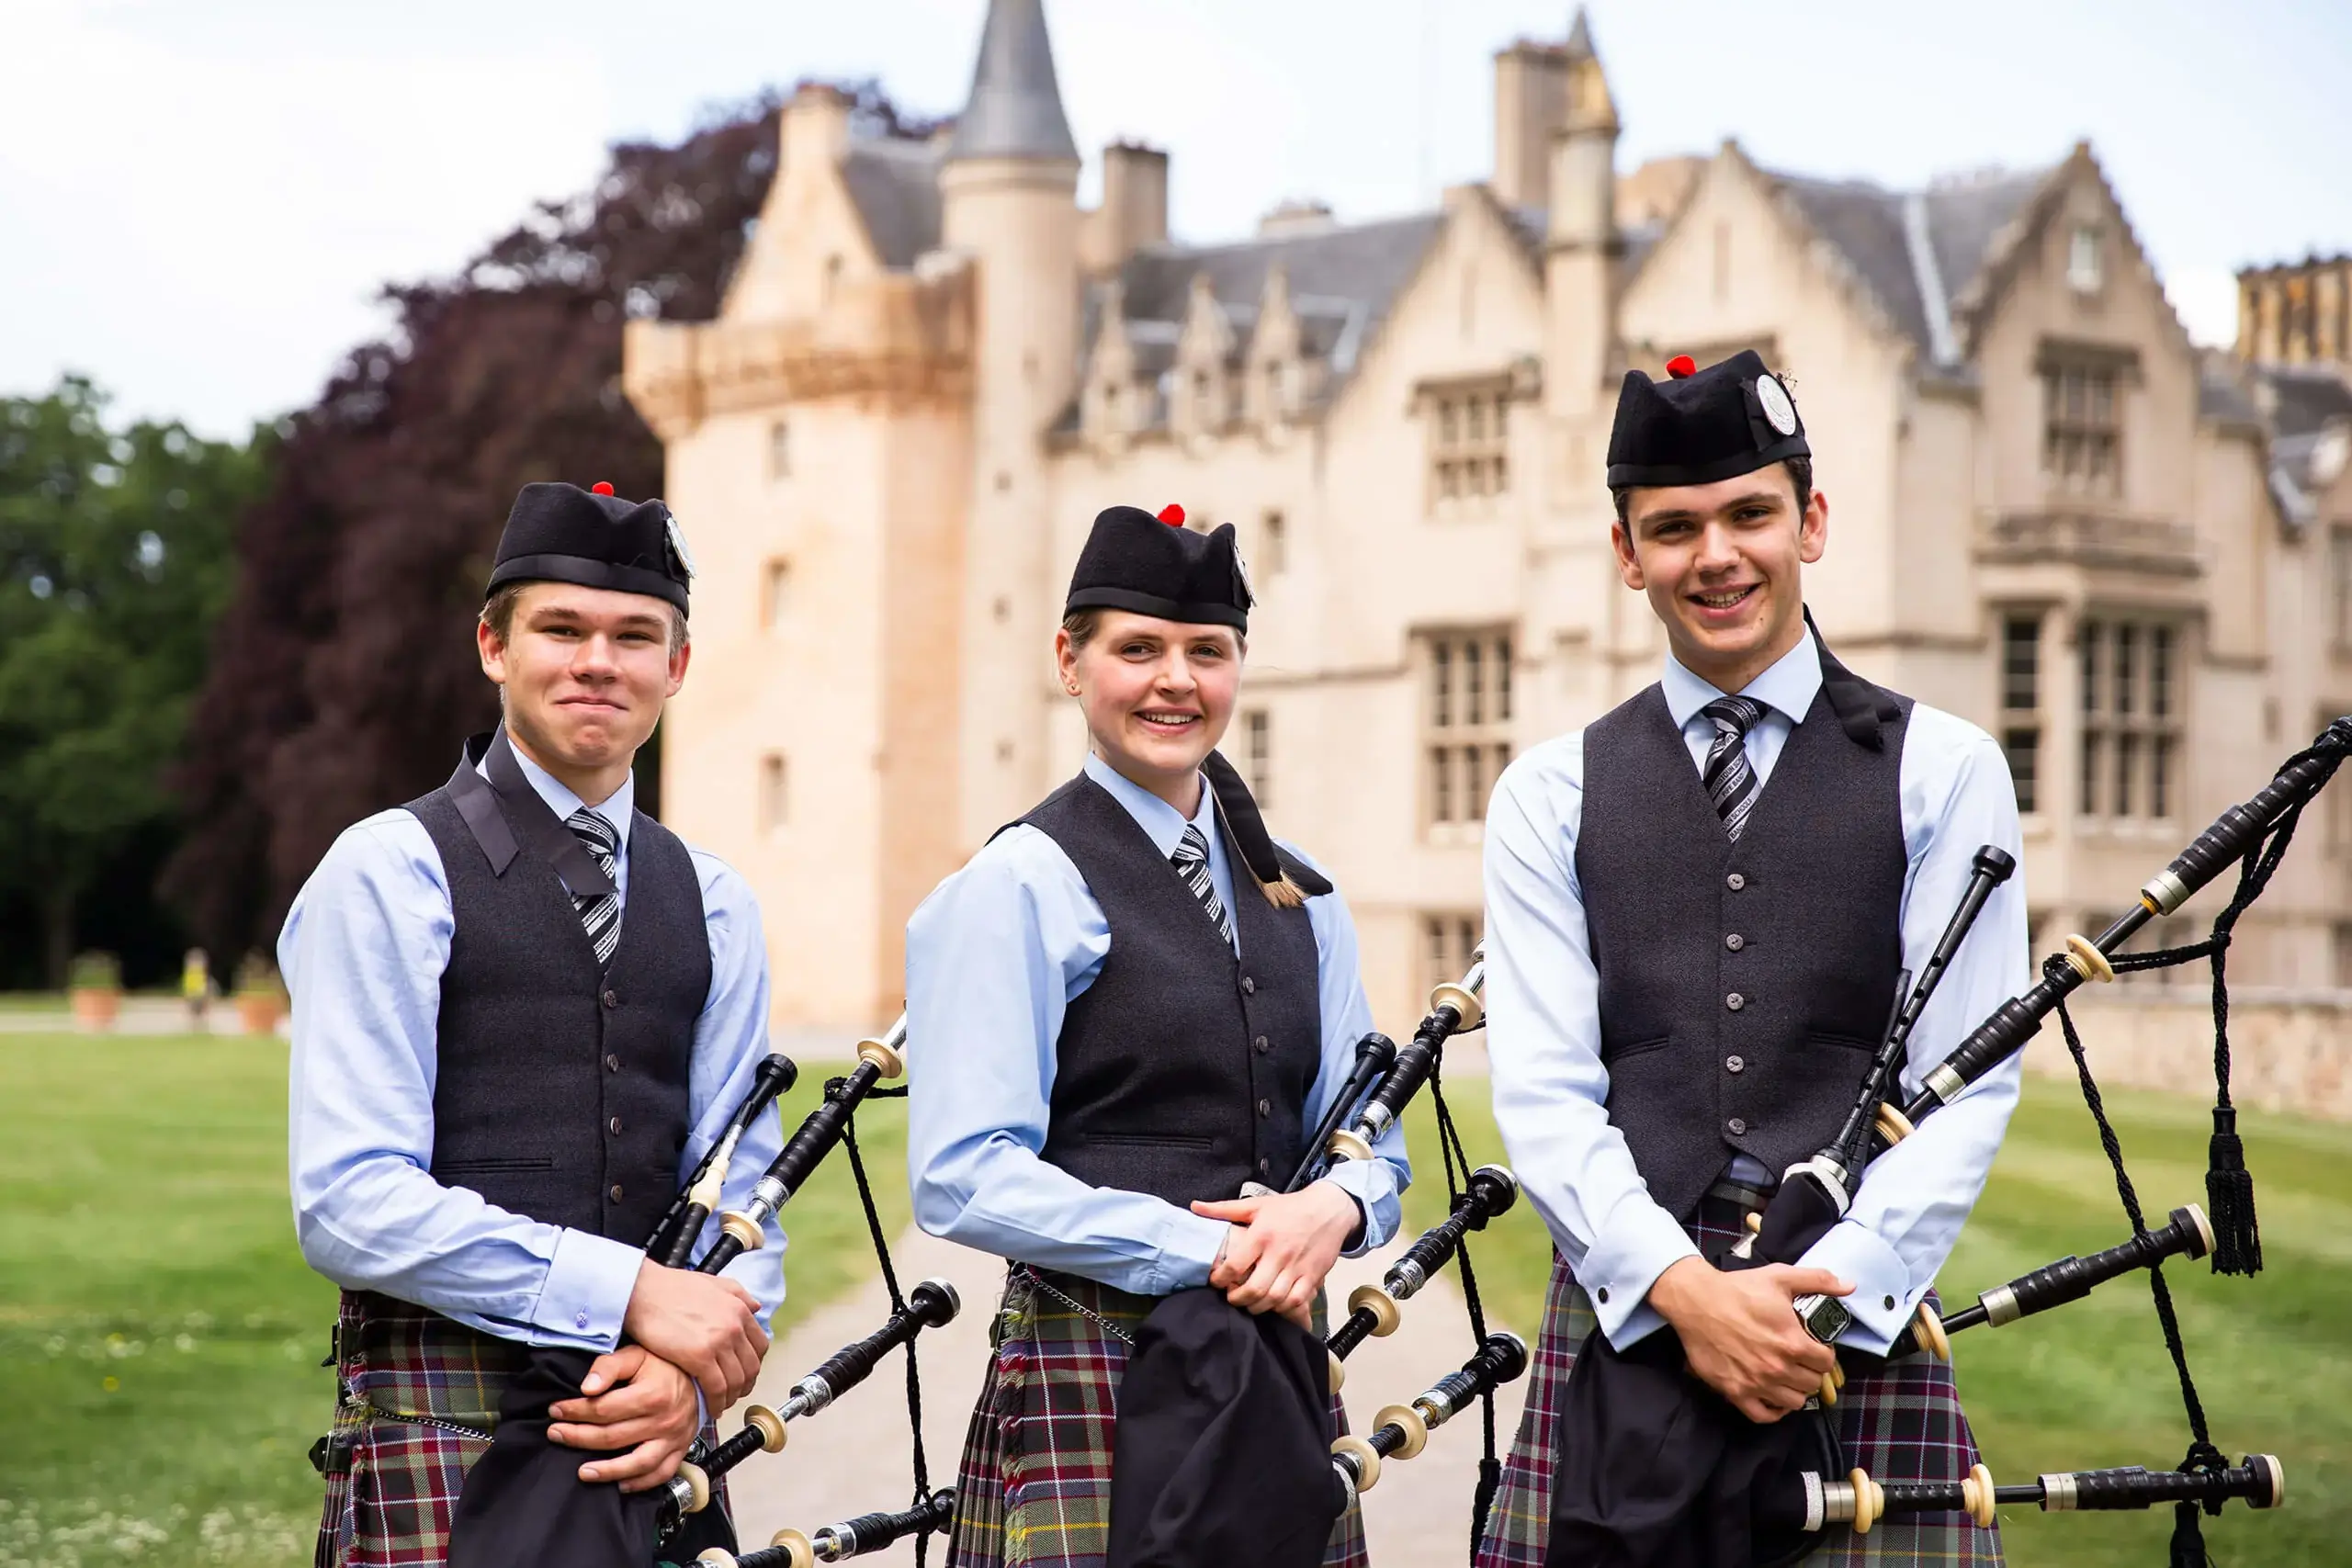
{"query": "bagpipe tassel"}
{"type": "Point", "coordinates": [2229, 1192]}
{"type": "Point", "coordinates": [2188, 1530]}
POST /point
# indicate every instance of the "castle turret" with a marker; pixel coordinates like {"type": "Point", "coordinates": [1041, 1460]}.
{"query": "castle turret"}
{"type": "Point", "coordinates": [1009, 204]}
{"type": "Point", "coordinates": [1582, 244]}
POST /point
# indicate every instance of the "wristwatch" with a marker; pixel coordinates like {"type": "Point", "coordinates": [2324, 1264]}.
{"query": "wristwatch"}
{"type": "Point", "coordinates": [1825, 1317]}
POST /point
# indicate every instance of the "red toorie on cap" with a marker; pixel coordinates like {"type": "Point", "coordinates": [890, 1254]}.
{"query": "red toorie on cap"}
{"type": "Point", "coordinates": [1682, 364]}
{"type": "Point", "coordinates": [1172, 514]}
{"type": "Point", "coordinates": [601, 488]}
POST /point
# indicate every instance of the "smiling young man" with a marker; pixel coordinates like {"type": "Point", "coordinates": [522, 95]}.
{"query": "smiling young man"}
{"type": "Point", "coordinates": [522, 1009]}
{"type": "Point", "coordinates": [1697, 911]}
{"type": "Point", "coordinates": [1112, 1029]}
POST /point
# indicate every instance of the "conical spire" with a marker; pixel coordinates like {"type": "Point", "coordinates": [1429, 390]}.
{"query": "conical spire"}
{"type": "Point", "coordinates": [1580, 36]}
{"type": "Point", "coordinates": [1016, 106]}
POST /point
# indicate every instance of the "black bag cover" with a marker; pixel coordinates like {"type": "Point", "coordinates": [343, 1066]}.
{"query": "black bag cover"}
{"type": "Point", "coordinates": [1221, 1449]}
{"type": "Point", "coordinates": [524, 1505]}
{"type": "Point", "coordinates": [1656, 1469]}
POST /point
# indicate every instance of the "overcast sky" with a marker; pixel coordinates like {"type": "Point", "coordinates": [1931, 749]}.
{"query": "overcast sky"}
{"type": "Point", "coordinates": [199, 201]}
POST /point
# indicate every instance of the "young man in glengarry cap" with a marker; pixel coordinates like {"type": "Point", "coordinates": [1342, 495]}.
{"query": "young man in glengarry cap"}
{"type": "Point", "coordinates": [1698, 907]}
{"type": "Point", "coordinates": [523, 1009]}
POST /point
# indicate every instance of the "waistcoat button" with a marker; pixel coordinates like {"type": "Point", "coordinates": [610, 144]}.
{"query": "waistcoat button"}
{"type": "Point", "coordinates": [612, 999]}
{"type": "Point", "coordinates": [1265, 1167]}
{"type": "Point", "coordinates": [616, 1125]}
{"type": "Point", "coordinates": [1738, 1127]}
{"type": "Point", "coordinates": [1735, 1001]}
{"type": "Point", "coordinates": [1248, 987]}
{"type": "Point", "coordinates": [1260, 1046]}
{"type": "Point", "coordinates": [617, 1191]}
{"type": "Point", "coordinates": [1735, 882]}
{"type": "Point", "coordinates": [1734, 942]}
{"type": "Point", "coordinates": [1734, 1064]}
{"type": "Point", "coordinates": [612, 1063]}
{"type": "Point", "coordinates": [1265, 1108]}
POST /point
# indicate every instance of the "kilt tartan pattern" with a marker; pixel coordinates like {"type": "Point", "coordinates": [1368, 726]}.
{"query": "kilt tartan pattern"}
{"type": "Point", "coordinates": [417, 1401]}
{"type": "Point", "coordinates": [1902, 1423]}
{"type": "Point", "coordinates": [1034, 1488]}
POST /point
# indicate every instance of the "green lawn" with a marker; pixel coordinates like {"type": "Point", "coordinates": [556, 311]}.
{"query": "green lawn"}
{"type": "Point", "coordinates": [160, 1338]}
{"type": "Point", "coordinates": [2088, 1384]}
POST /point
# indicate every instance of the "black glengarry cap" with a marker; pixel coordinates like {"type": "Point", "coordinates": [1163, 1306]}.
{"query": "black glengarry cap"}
{"type": "Point", "coordinates": [1156, 566]}
{"type": "Point", "coordinates": [560, 533]}
{"type": "Point", "coordinates": [1699, 426]}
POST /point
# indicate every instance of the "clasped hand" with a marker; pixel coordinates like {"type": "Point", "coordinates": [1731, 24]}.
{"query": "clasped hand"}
{"type": "Point", "coordinates": [1740, 1332]}
{"type": "Point", "coordinates": [637, 1407]}
{"type": "Point", "coordinates": [1280, 1248]}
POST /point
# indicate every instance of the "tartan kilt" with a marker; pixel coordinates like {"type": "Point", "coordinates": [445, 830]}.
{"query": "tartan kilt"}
{"type": "Point", "coordinates": [1034, 1488]}
{"type": "Point", "coordinates": [1902, 1423]}
{"type": "Point", "coordinates": [417, 1397]}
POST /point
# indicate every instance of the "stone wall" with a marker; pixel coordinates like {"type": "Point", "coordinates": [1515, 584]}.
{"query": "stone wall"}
{"type": "Point", "coordinates": [2289, 1050]}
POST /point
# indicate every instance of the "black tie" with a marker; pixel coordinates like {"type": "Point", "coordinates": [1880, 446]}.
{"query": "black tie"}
{"type": "Point", "coordinates": [1192, 862]}
{"type": "Point", "coordinates": [600, 913]}
{"type": "Point", "coordinates": [1730, 781]}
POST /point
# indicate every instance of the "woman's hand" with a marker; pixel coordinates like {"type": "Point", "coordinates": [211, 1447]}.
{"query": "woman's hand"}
{"type": "Point", "coordinates": [1281, 1248]}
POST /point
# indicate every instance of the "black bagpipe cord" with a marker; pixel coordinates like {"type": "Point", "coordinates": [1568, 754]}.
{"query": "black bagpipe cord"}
{"type": "Point", "coordinates": [1456, 1162]}
{"type": "Point", "coordinates": [898, 1301]}
{"type": "Point", "coordinates": [2229, 1187]}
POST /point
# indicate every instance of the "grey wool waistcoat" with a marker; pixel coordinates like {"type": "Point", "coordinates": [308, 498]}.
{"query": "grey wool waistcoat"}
{"type": "Point", "coordinates": [562, 1091]}
{"type": "Point", "coordinates": [1743, 987]}
{"type": "Point", "coordinates": [1182, 1071]}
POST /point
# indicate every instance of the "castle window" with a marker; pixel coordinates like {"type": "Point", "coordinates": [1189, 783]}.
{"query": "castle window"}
{"type": "Point", "coordinates": [1447, 941]}
{"type": "Point", "coordinates": [773, 806]}
{"type": "Point", "coordinates": [1273, 548]}
{"type": "Point", "coordinates": [1469, 429]}
{"type": "Point", "coordinates": [780, 449]}
{"type": "Point", "coordinates": [2082, 436]}
{"type": "Point", "coordinates": [2022, 703]}
{"type": "Point", "coordinates": [775, 595]}
{"type": "Point", "coordinates": [1465, 722]}
{"type": "Point", "coordinates": [2085, 271]}
{"type": "Point", "coordinates": [1258, 754]}
{"type": "Point", "coordinates": [2133, 719]}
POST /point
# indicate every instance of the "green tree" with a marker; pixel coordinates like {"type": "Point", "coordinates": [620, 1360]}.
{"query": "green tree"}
{"type": "Point", "coordinates": [115, 560]}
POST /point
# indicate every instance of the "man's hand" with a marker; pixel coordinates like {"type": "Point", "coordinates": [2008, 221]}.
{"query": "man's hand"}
{"type": "Point", "coordinates": [1282, 1247]}
{"type": "Point", "coordinates": [638, 1408]}
{"type": "Point", "coordinates": [706, 1326]}
{"type": "Point", "coordinates": [1740, 1331]}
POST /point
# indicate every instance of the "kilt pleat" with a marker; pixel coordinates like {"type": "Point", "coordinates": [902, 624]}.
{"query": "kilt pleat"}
{"type": "Point", "coordinates": [1033, 1488]}
{"type": "Point", "coordinates": [1902, 1422]}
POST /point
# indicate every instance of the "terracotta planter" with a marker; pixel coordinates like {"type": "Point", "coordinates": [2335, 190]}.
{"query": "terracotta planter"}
{"type": "Point", "coordinates": [259, 1014]}
{"type": "Point", "coordinates": [95, 1009]}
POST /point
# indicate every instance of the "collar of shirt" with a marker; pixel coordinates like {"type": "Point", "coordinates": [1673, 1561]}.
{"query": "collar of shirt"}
{"type": "Point", "coordinates": [1788, 687]}
{"type": "Point", "coordinates": [618, 808]}
{"type": "Point", "coordinates": [1162, 822]}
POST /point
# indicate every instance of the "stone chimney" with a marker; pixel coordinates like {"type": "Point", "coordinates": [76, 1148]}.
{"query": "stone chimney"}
{"type": "Point", "coordinates": [1135, 207]}
{"type": "Point", "coordinates": [1531, 107]}
{"type": "Point", "coordinates": [816, 125]}
{"type": "Point", "coordinates": [1297, 216]}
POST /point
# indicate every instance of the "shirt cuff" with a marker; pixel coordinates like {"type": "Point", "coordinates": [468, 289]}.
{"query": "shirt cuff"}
{"type": "Point", "coordinates": [1367, 1182]}
{"type": "Point", "coordinates": [1882, 1302]}
{"type": "Point", "coordinates": [1623, 1262]}
{"type": "Point", "coordinates": [1187, 1252]}
{"type": "Point", "coordinates": [586, 1296]}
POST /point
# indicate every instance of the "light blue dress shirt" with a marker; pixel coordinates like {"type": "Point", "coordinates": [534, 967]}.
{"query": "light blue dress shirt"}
{"type": "Point", "coordinates": [363, 953]}
{"type": "Point", "coordinates": [994, 958]}
{"type": "Point", "coordinates": [1544, 1025]}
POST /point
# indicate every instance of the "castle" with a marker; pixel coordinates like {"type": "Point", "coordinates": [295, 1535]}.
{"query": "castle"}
{"type": "Point", "coordinates": [2050, 512]}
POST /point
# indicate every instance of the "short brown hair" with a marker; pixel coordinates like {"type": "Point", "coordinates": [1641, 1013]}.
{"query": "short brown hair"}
{"type": "Point", "coordinates": [1800, 476]}
{"type": "Point", "coordinates": [498, 614]}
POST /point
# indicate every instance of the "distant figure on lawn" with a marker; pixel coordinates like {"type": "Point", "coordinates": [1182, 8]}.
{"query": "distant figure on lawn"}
{"type": "Point", "coordinates": [522, 1011]}
{"type": "Point", "coordinates": [196, 987]}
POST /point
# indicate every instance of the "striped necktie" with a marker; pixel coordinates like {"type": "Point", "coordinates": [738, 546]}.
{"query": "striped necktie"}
{"type": "Point", "coordinates": [600, 913]}
{"type": "Point", "coordinates": [1730, 781]}
{"type": "Point", "coordinates": [1192, 862]}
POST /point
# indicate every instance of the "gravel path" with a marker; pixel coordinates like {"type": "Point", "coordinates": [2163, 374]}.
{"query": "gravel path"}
{"type": "Point", "coordinates": [852, 1459]}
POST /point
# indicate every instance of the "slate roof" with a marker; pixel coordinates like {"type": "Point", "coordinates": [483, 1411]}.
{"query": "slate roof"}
{"type": "Point", "coordinates": [1015, 109]}
{"type": "Point", "coordinates": [1869, 226]}
{"type": "Point", "coordinates": [2299, 403]}
{"type": "Point", "coordinates": [895, 183]}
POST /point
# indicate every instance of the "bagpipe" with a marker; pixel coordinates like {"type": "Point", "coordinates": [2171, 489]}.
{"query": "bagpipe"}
{"type": "Point", "coordinates": [851, 1537]}
{"type": "Point", "coordinates": [1815, 1194]}
{"type": "Point", "coordinates": [1859, 1501]}
{"type": "Point", "coordinates": [1373, 1310]}
{"type": "Point", "coordinates": [1399, 1432]}
{"type": "Point", "coordinates": [933, 1303]}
